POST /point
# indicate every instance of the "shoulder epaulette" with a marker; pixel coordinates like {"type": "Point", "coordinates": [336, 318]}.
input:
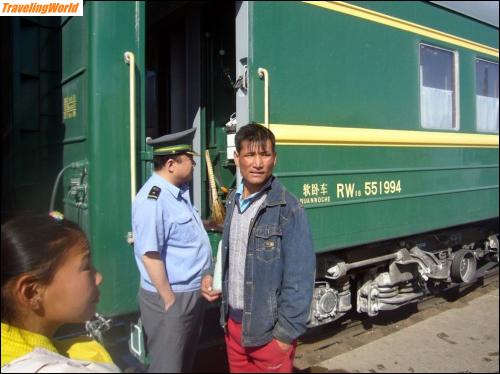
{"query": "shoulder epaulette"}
{"type": "Point", "coordinates": [154, 193]}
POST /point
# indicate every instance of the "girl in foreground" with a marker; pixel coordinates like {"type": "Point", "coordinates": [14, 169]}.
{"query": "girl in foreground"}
{"type": "Point", "coordinates": [48, 280]}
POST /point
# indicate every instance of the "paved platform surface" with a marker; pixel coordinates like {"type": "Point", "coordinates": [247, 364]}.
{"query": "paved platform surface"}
{"type": "Point", "coordinates": [462, 340]}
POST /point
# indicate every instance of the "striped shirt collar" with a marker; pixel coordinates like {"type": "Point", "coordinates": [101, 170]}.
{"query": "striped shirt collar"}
{"type": "Point", "coordinates": [244, 203]}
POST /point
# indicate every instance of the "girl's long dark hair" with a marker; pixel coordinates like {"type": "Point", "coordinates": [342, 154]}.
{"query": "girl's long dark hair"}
{"type": "Point", "coordinates": [35, 245]}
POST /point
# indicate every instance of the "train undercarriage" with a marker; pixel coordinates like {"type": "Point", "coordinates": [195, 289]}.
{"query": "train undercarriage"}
{"type": "Point", "coordinates": [386, 276]}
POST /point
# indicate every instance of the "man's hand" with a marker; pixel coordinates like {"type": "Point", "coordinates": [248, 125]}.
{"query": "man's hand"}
{"type": "Point", "coordinates": [206, 289]}
{"type": "Point", "coordinates": [168, 299]}
{"type": "Point", "coordinates": [155, 266]}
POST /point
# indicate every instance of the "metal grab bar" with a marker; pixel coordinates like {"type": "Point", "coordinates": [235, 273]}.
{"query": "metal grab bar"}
{"type": "Point", "coordinates": [130, 59]}
{"type": "Point", "coordinates": [264, 74]}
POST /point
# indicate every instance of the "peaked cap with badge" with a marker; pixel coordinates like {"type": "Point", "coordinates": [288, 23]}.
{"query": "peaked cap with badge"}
{"type": "Point", "coordinates": [173, 144]}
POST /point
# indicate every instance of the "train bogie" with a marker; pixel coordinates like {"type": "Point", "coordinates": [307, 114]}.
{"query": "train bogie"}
{"type": "Point", "coordinates": [403, 271]}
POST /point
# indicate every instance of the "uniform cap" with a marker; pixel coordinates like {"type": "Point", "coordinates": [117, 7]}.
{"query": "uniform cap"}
{"type": "Point", "coordinates": [172, 144]}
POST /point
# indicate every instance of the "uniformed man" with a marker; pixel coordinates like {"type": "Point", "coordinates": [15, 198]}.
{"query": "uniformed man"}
{"type": "Point", "coordinates": [172, 250]}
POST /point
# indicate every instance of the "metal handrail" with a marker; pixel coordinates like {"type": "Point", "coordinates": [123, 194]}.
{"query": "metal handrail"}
{"type": "Point", "coordinates": [130, 59]}
{"type": "Point", "coordinates": [264, 74]}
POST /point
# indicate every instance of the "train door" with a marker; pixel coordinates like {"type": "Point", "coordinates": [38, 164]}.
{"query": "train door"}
{"type": "Point", "coordinates": [190, 79]}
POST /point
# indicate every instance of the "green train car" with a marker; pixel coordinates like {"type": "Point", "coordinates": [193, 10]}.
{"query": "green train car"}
{"type": "Point", "coordinates": [385, 115]}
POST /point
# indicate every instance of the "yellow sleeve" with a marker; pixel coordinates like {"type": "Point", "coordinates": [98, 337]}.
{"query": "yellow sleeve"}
{"type": "Point", "coordinates": [83, 348]}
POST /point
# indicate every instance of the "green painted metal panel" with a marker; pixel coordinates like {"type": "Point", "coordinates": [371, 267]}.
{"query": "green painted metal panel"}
{"type": "Point", "coordinates": [75, 111]}
{"type": "Point", "coordinates": [115, 27]}
{"type": "Point", "coordinates": [435, 17]}
{"type": "Point", "coordinates": [361, 195]}
{"type": "Point", "coordinates": [329, 68]}
{"type": "Point", "coordinates": [332, 69]}
{"type": "Point", "coordinates": [75, 44]}
{"type": "Point", "coordinates": [97, 126]}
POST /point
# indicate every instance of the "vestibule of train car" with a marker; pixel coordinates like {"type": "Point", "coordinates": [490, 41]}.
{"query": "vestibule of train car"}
{"type": "Point", "coordinates": [30, 51]}
{"type": "Point", "coordinates": [190, 62]}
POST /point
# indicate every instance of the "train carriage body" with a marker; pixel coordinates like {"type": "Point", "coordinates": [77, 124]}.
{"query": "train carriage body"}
{"type": "Point", "coordinates": [385, 115]}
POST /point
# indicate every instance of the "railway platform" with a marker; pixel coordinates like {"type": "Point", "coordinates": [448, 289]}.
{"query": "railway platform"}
{"type": "Point", "coordinates": [464, 339]}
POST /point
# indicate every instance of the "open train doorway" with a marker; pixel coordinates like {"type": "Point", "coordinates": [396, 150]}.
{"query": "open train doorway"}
{"type": "Point", "coordinates": [190, 62]}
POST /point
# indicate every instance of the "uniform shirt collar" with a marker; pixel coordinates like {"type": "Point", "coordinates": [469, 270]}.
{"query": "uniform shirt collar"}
{"type": "Point", "coordinates": [177, 192]}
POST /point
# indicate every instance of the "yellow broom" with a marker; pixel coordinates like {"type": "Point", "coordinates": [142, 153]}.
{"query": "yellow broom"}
{"type": "Point", "coordinates": [216, 207]}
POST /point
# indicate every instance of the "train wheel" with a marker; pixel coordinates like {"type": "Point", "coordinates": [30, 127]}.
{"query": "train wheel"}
{"type": "Point", "coordinates": [463, 267]}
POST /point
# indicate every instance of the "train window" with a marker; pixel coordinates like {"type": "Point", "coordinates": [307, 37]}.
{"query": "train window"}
{"type": "Point", "coordinates": [486, 96]}
{"type": "Point", "coordinates": [438, 88]}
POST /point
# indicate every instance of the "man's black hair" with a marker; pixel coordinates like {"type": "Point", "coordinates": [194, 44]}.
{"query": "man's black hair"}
{"type": "Point", "coordinates": [254, 133]}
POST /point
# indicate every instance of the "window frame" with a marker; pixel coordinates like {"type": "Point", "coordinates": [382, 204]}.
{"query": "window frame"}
{"type": "Point", "coordinates": [477, 58]}
{"type": "Point", "coordinates": [456, 85]}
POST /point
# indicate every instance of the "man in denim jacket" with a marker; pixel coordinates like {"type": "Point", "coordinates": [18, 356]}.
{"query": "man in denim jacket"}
{"type": "Point", "coordinates": [268, 262]}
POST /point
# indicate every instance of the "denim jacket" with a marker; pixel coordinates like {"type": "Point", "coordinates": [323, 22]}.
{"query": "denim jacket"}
{"type": "Point", "coordinates": [279, 269]}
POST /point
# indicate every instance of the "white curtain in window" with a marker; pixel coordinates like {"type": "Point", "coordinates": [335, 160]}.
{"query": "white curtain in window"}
{"type": "Point", "coordinates": [436, 108]}
{"type": "Point", "coordinates": [487, 113]}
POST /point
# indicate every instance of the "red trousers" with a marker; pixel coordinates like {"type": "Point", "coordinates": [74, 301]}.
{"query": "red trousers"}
{"type": "Point", "coordinates": [268, 358]}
